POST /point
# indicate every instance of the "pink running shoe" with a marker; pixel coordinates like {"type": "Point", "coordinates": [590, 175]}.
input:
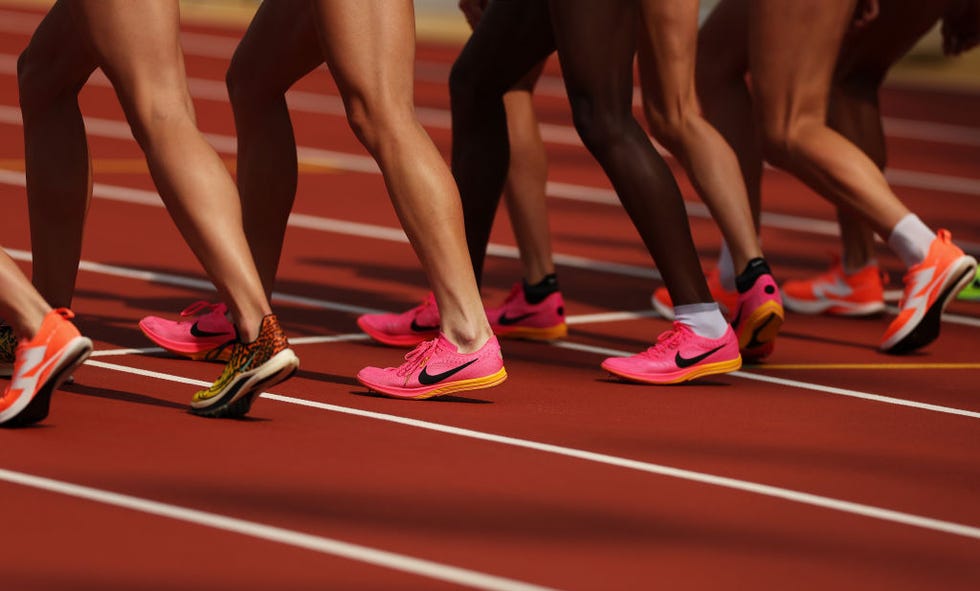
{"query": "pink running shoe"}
{"type": "Point", "coordinates": [435, 368]}
{"type": "Point", "coordinates": [518, 319]}
{"type": "Point", "coordinates": [758, 316]}
{"type": "Point", "coordinates": [679, 355]}
{"type": "Point", "coordinates": [661, 302]}
{"type": "Point", "coordinates": [407, 329]}
{"type": "Point", "coordinates": [203, 332]}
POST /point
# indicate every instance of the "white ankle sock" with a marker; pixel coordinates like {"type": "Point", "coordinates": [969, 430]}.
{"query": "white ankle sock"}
{"type": "Point", "coordinates": [704, 319]}
{"type": "Point", "coordinates": [910, 239]}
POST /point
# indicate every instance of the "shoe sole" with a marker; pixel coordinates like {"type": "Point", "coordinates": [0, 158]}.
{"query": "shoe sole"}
{"type": "Point", "coordinates": [698, 371]}
{"type": "Point", "coordinates": [833, 307]}
{"type": "Point", "coordinates": [761, 327]}
{"type": "Point", "coordinates": [927, 330]}
{"type": "Point", "coordinates": [549, 333]}
{"type": "Point", "coordinates": [450, 388]}
{"type": "Point", "coordinates": [238, 397]}
{"type": "Point", "coordinates": [36, 408]}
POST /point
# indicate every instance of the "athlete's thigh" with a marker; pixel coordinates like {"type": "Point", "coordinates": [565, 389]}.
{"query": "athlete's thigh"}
{"type": "Point", "coordinates": [369, 46]}
{"type": "Point", "coordinates": [138, 46]}
{"type": "Point", "coordinates": [793, 48]}
{"type": "Point", "coordinates": [508, 47]}
{"type": "Point", "coordinates": [58, 55]}
{"type": "Point", "coordinates": [596, 42]}
{"type": "Point", "coordinates": [279, 47]}
{"type": "Point", "coordinates": [666, 49]}
{"type": "Point", "coordinates": [723, 44]}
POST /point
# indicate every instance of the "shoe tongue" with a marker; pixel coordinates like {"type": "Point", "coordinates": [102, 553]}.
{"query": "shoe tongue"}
{"type": "Point", "coordinates": [443, 343]}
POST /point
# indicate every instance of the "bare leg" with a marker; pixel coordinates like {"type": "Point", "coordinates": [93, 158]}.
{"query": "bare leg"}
{"type": "Point", "coordinates": [722, 61]}
{"type": "Point", "coordinates": [137, 45]}
{"type": "Point", "coordinates": [793, 47]}
{"type": "Point", "coordinates": [51, 72]}
{"type": "Point", "coordinates": [864, 61]}
{"type": "Point", "coordinates": [370, 51]}
{"type": "Point", "coordinates": [596, 45]}
{"type": "Point", "coordinates": [279, 48]}
{"type": "Point", "coordinates": [527, 175]}
{"type": "Point", "coordinates": [21, 305]}
{"type": "Point", "coordinates": [667, 59]}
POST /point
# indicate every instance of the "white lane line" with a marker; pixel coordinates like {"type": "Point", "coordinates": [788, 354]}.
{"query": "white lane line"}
{"type": "Point", "coordinates": [609, 460]}
{"type": "Point", "coordinates": [372, 231]}
{"type": "Point", "coordinates": [199, 284]}
{"type": "Point", "coordinates": [222, 47]}
{"type": "Point", "coordinates": [439, 118]}
{"type": "Point", "coordinates": [150, 198]}
{"type": "Point", "coordinates": [279, 535]}
{"type": "Point", "coordinates": [365, 164]}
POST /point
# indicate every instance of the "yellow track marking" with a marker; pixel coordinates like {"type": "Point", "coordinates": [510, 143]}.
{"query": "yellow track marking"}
{"type": "Point", "coordinates": [781, 366]}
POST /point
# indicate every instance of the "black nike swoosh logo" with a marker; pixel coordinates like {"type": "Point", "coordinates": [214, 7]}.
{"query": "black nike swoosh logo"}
{"type": "Point", "coordinates": [504, 320]}
{"type": "Point", "coordinates": [683, 362]}
{"type": "Point", "coordinates": [197, 332]}
{"type": "Point", "coordinates": [416, 327]}
{"type": "Point", "coordinates": [426, 379]}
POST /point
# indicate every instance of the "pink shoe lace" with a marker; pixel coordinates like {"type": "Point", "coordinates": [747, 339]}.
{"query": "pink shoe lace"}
{"type": "Point", "coordinates": [666, 341]}
{"type": "Point", "coordinates": [418, 357]}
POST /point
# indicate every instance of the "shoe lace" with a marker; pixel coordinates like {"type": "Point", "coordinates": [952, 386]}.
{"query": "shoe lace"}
{"type": "Point", "coordinates": [199, 308]}
{"type": "Point", "coordinates": [418, 357]}
{"type": "Point", "coordinates": [666, 341]}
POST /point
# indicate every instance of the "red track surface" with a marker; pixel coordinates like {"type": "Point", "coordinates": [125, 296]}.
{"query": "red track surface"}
{"type": "Point", "coordinates": [600, 509]}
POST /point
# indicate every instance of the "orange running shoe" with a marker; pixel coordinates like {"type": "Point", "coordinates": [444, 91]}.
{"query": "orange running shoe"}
{"type": "Point", "coordinates": [837, 293]}
{"type": "Point", "coordinates": [727, 300]}
{"type": "Point", "coordinates": [40, 366]}
{"type": "Point", "coordinates": [929, 287]}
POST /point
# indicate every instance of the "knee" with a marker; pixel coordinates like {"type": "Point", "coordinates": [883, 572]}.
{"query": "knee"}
{"type": "Point", "coordinates": [376, 120]}
{"type": "Point", "coordinates": [35, 84]}
{"type": "Point", "coordinates": [248, 91]}
{"type": "Point", "coordinates": [671, 123]}
{"type": "Point", "coordinates": [780, 141]}
{"type": "Point", "coordinates": [598, 128]}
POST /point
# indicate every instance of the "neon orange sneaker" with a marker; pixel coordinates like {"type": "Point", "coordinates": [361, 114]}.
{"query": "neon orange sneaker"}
{"type": "Point", "coordinates": [727, 300]}
{"type": "Point", "coordinates": [41, 365]}
{"type": "Point", "coordinates": [837, 293]}
{"type": "Point", "coordinates": [929, 287]}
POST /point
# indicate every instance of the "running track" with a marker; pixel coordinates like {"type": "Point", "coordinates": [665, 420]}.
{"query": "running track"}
{"type": "Point", "coordinates": [832, 466]}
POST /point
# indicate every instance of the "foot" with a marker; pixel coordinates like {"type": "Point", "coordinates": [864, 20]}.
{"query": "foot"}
{"type": "Point", "coordinates": [264, 362]}
{"type": "Point", "coordinates": [435, 368]}
{"type": "Point", "coordinates": [41, 365]}
{"type": "Point", "coordinates": [929, 287]}
{"type": "Point", "coordinates": [758, 317]}
{"type": "Point", "coordinates": [203, 332]}
{"type": "Point", "coordinates": [520, 319]}
{"type": "Point", "coordinates": [678, 355]}
{"type": "Point", "coordinates": [837, 293]}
